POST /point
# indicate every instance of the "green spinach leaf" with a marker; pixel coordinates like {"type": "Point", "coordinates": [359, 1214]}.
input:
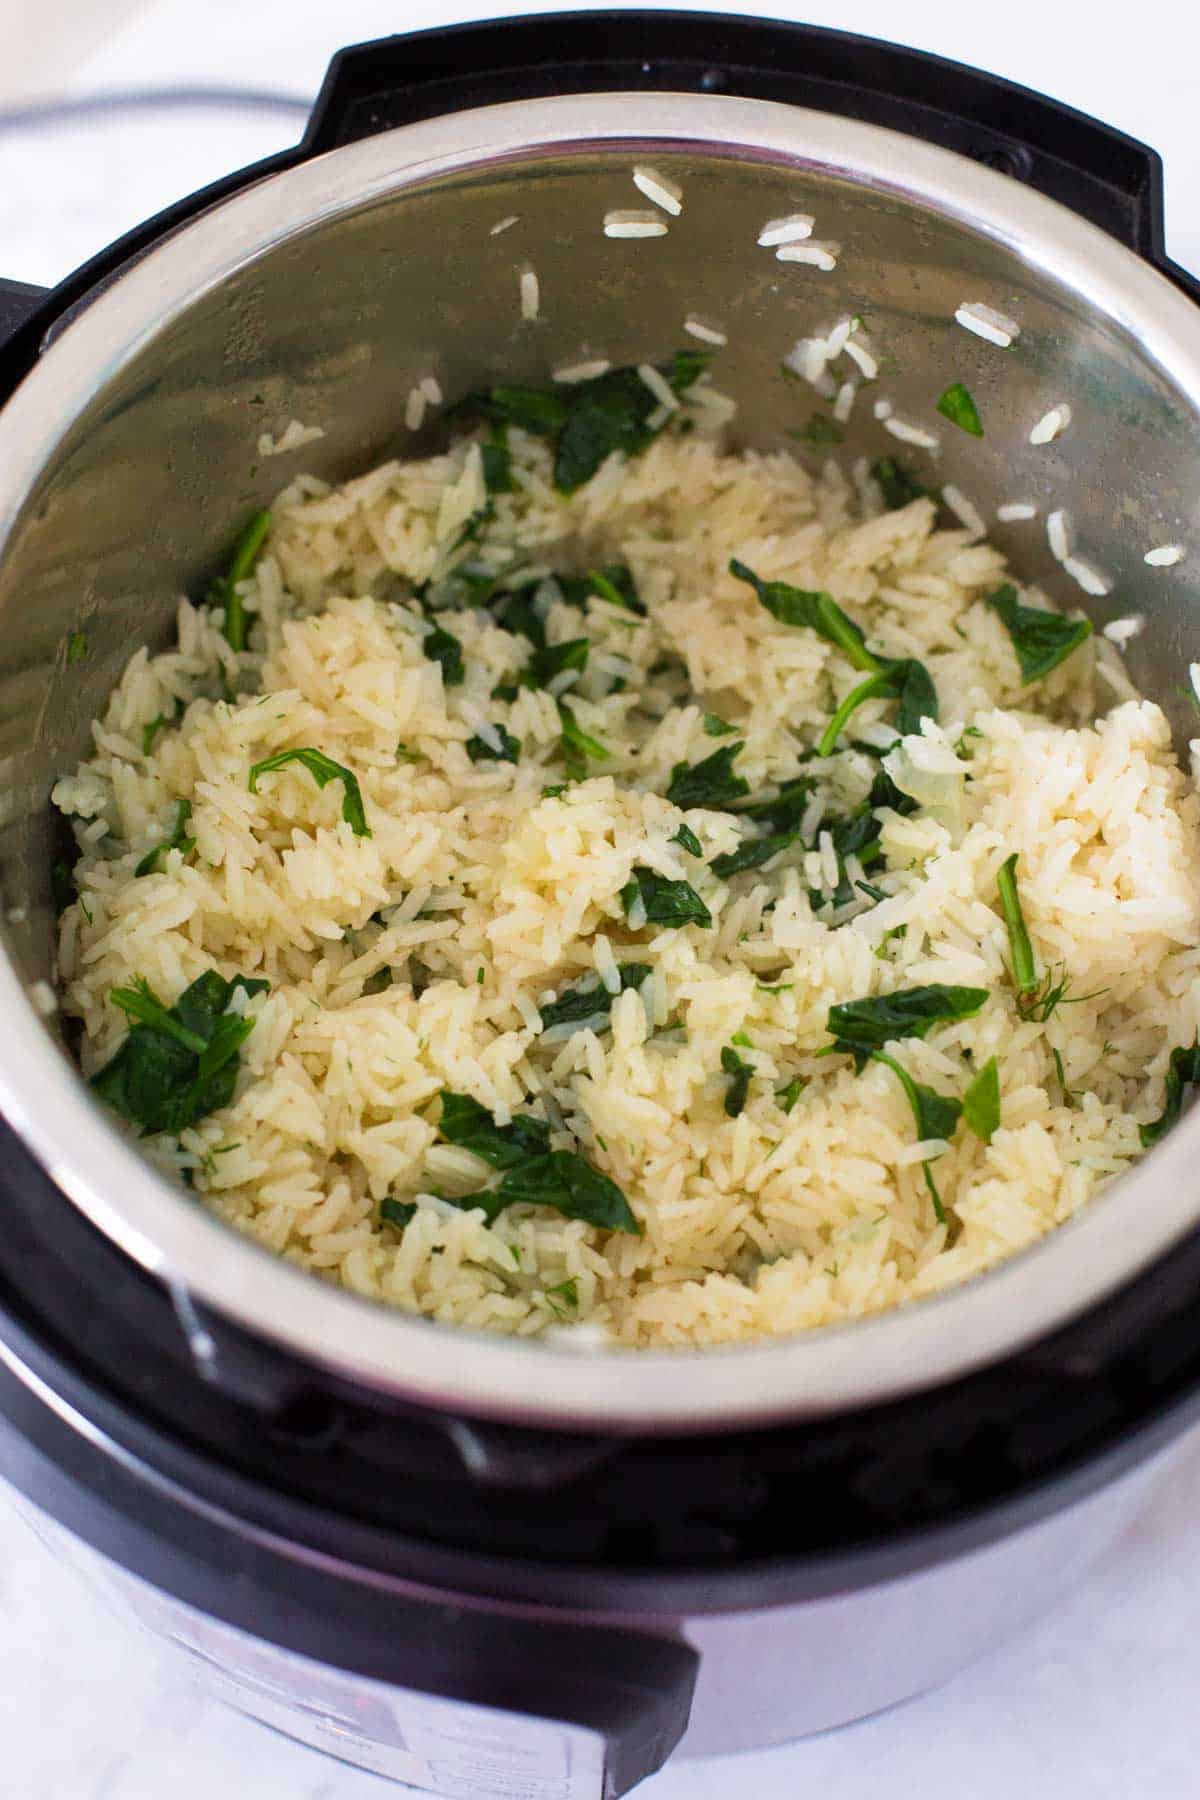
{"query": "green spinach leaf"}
{"type": "Point", "coordinates": [896, 484]}
{"type": "Point", "coordinates": [957, 405]}
{"type": "Point", "coordinates": [179, 1063]}
{"type": "Point", "coordinates": [615, 583]}
{"type": "Point", "coordinates": [739, 1072]}
{"type": "Point", "coordinates": [1183, 1072]}
{"type": "Point", "coordinates": [479, 750]}
{"type": "Point", "coordinates": [441, 647]}
{"type": "Point", "coordinates": [591, 1001]}
{"type": "Point", "coordinates": [564, 1181]}
{"type": "Point", "coordinates": [859, 1027]}
{"type": "Point", "coordinates": [397, 1212]}
{"type": "Point", "coordinates": [1041, 639]}
{"type": "Point", "coordinates": [555, 659]}
{"type": "Point", "coordinates": [663, 902]}
{"type": "Point", "coordinates": [469, 1125]}
{"type": "Point", "coordinates": [710, 783]}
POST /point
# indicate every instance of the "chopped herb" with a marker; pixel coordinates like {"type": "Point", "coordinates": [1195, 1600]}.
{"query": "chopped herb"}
{"type": "Point", "coordinates": [663, 902]}
{"type": "Point", "coordinates": [62, 886]}
{"type": "Point", "coordinates": [788, 1095]}
{"type": "Point", "coordinates": [590, 1001]}
{"type": "Point", "coordinates": [554, 790]}
{"type": "Point", "coordinates": [479, 973]}
{"type": "Point", "coordinates": [1183, 1072]}
{"type": "Point", "coordinates": [497, 467]}
{"type": "Point", "coordinates": [1067, 1095]}
{"type": "Point", "coordinates": [555, 659]}
{"type": "Point", "coordinates": [957, 405]}
{"type": "Point", "coordinates": [1051, 992]}
{"type": "Point", "coordinates": [481, 750]}
{"type": "Point", "coordinates": [564, 1295]}
{"type": "Point", "coordinates": [77, 648]}
{"type": "Point", "coordinates": [871, 891]}
{"type": "Point", "coordinates": [85, 909]}
{"type": "Point", "coordinates": [778, 987]}
{"type": "Point", "coordinates": [688, 841]}
{"type": "Point", "coordinates": [739, 1072]}
{"type": "Point", "coordinates": [151, 731]}
{"type": "Point", "coordinates": [323, 770]}
{"type": "Point", "coordinates": [178, 840]}
{"type": "Point", "coordinates": [178, 1063]}
{"type": "Point", "coordinates": [577, 746]}
{"type": "Point", "coordinates": [1024, 969]}
{"type": "Point", "coordinates": [1041, 639]}
{"type": "Point", "coordinates": [405, 755]}
{"type": "Point", "coordinates": [223, 591]}
{"type": "Point", "coordinates": [615, 584]}
{"type": "Point", "coordinates": [710, 783]}
{"type": "Point", "coordinates": [898, 487]}
{"type": "Point", "coordinates": [819, 433]}
{"type": "Point", "coordinates": [860, 1027]}
{"type": "Point", "coordinates": [715, 726]}
{"type": "Point", "coordinates": [965, 735]}
{"type": "Point", "coordinates": [397, 1212]}
{"type": "Point", "coordinates": [981, 1102]}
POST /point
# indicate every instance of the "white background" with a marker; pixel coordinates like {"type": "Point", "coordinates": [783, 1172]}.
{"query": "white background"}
{"type": "Point", "coordinates": [1101, 1699]}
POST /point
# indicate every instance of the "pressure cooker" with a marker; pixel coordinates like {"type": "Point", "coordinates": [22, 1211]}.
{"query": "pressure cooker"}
{"type": "Point", "coordinates": [492, 1567]}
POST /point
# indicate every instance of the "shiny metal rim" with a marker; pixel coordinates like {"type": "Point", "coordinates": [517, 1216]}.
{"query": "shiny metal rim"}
{"type": "Point", "coordinates": [830, 1370]}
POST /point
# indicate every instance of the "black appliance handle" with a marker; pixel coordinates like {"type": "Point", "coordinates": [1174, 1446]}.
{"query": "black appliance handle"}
{"type": "Point", "coordinates": [19, 301]}
{"type": "Point", "coordinates": [633, 1688]}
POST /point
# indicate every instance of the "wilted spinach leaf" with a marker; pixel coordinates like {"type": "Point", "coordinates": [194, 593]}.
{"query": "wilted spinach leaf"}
{"type": "Point", "coordinates": [1041, 639]}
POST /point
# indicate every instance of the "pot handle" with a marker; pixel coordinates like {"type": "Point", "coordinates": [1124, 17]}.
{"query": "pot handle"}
{"type": "Point", "coordinates": [19, 301]}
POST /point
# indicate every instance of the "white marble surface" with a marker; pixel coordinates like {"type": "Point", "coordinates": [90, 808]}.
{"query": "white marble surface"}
{"type": "Point", "coordinates": [1101, 1699]}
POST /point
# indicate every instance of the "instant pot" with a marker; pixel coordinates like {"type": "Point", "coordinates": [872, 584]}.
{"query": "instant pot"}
{"type": "Point", "coordinates": [500, 1568]}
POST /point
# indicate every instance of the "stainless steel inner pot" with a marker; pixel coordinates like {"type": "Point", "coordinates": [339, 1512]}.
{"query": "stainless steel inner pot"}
{"type": "Point", "coordinates": [323, 293]}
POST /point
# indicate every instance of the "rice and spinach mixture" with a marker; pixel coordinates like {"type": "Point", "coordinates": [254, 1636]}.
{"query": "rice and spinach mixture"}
{"type": "Point", "coordinates": [594, 881]}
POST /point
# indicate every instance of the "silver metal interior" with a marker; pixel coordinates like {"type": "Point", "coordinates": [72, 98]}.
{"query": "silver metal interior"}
{"type": "Point", "coordinates": [323, 294]}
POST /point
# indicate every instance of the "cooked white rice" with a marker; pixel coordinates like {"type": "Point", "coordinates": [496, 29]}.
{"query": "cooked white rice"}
{"type": "Point", "coordinates": [485, 897]}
